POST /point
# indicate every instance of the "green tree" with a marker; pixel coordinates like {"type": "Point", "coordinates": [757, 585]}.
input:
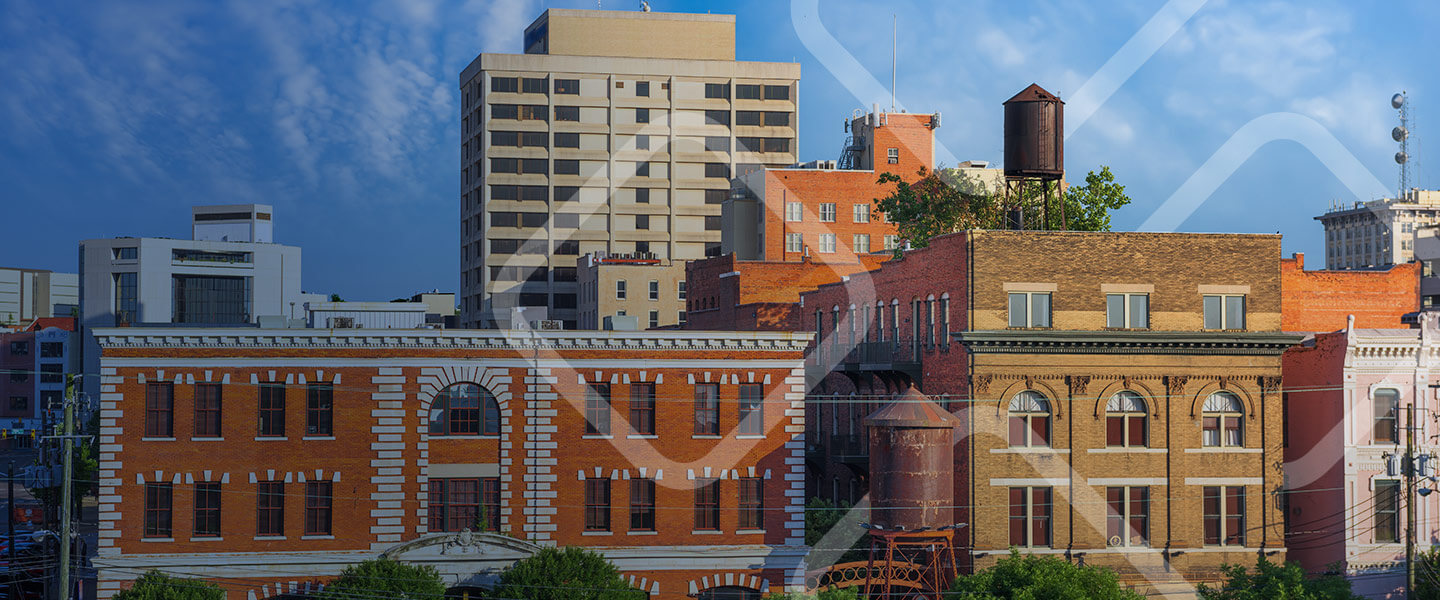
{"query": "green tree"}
{"type": "Point", "coordinates": [831, 594]}
{"type": "Point", "coordinates": [385, 578]}
{"type": "Point", "coordinates": [1047, 577]}
{"type": "Point", "coordinates": [1274, 581]}
{"type": "Point", "coordinates": [1427, 574]}
{"type": "Point", "coordinates": [564, 574]}
{"type": "Point", "coordinates": [336, 298]}
{"type": "Point", "coordinates": [154, 585]}
{"type": "Point", "coordinates": [820, 517]}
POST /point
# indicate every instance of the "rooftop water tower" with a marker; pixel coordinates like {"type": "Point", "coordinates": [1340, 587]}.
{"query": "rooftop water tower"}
{"type": "Point", "coordinates": [1034, 155]}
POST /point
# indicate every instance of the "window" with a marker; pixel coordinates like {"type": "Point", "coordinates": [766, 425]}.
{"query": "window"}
{"type": "Point", "coordinates": [642, 88]}
{"type": "Point", "coordinates": [892, 242]}
{"type": "Point", "coordinates": [1221, 421]}
{"type": "Point", "coordinates": [565, 193]}
{"type": "Point", "coordinates": [716, 196]}
{"type": "Point", "coordinates": [892, 155]}
{"type": "Point", "coordinates": [597, 505]}
{"type": "Point", "coordinates": [680, 289]}
{"type": "Point", "coordinates": [272, 409]}
{"type": "Point", "coordinates": [127, 303]}
{"type": "Point", "coordinates": [320, 409]}
{"type": "Point", "coordinates": [563, 167]}
{"type": "Point", "coordinates": [567, 86]}
{"type": "Point", "coordinates": [569, 114]}
{"type": "Point", "coordinates": [777, 92]}
{"type": "Point", "coordinates": [620, 289]}
{"type": "Point", "coordinates": [642, 408]}
{"type": "Point", "coordinates": [746, 91]}
{"type": "Point", "coordinates": [1030, 309]}
{"type": "Point", "coordinates": [827, 243]}
{"type": "Point", "coordinates": [531, 112]}
{"type": "Point", "coordinates": [861, 243]}
{"type": "Point", "coordinates": [158, 502]}
{"type": "Point", "coordinates": [21, 348]}
{"type": "Point", "coordinates": [52, 373]}
{"type": "Point", "coordinates": [642, 196]}
{"type": "Point", "coordinates": [533, 85]}
{"type": "Point", "coordinates": [270, 508]}
{"type": "Point", "coordinates": [642, 115]}
{"type": "Point", "coordinates": [707, 504]}
{"type": "Point", "coordinates": [1125, 421]}
{"type": "Point", "coordinates": [654, 319]}
{"type": "Point", "coordinates": [712, 223]}
{"type": "Point", "coordinates": [748, 144]}
{"type": "Point", "coordinates": [654, 289]}
{"type": "Point", "coordinates": [504, 111]}
{"type": "Point", "coordinates": [794, 242]}
{"type": "Point", "coordinates": [1127, 311]}
{"type": "Point", "coordinates": [752, 409]}
{"type": "Point", "coordinates": [717, 90]}
{"type": "Point", "coordinates": [717, 117]}
{"type": "Point", "coordinates": [457, 504]}
{"type": "Point", "coordinates": [1029, 418]}
{"type": "Point", "coordinates": [465, 409]}
{"type": "Point", "coordinates": [504, 84]}
{"type": "Point", "coordinates": [1224, 515]}
{"type": "Point", "coordinates": [752, 503]}
{"type": "Point", "coordinates": [1128, 521]}
{"type": "Point", "coordinates": [720, 170]}
{"type": "Point", "coordinates": [19, 403]}
{"type": "Point", "coordinates": [1224, 312]}
{"type": "Point", "coordinates": [777, 119]}
{"type": "Point", "coordinates": [1387, 511]}
{"type": "Point", "coordinates": [642, 222]}
{"type": "Point", "coordinates": [642, 142]}
{"type": "Point", "coordinates": [207, 410]}
{"type": "Point", "coordinates": [1030, 517]}
{"type": "Point", "coordinates": [318, 499]}
{"type": "Point", "coordinates": [597, 409]}
{"type": "Point", "coordinates": [861, 213]}
{"type": "Point", "coordinates": [827, 212]}
{"type": "Point", "coordinates": [717, 143]}
{"type": "Point", "coordinates": [1386, 405]}
{"type": "Point", "coordinates": [207, 509]}
{"type": "Point", "coordinates": [642, 169]}
{"type": "Point", "coordinates": [567, 247]}
{"type": "Point", "coordinates": [159, 410]}
{"type": "Point", "coordinates": [562, 140]}
{"type": "Point", "coordinates": [707, 409]}
{"type": "Point", "coordinates": [642, 504]}
{"type": "Point", "coordinates": [131, 253]}
{"type": "Point", "coordinates": [794, 212]}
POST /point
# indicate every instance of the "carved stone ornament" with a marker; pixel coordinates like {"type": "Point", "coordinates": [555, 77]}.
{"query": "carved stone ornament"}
{"type": "Point", "coordinates": [1269, 384]}
{"type": "Point", "coordinates": [982, 382]}
{"type": "Point", "coordinates": [1175, 384]}
{"type": "Point", "coordinates": [1078, 385]}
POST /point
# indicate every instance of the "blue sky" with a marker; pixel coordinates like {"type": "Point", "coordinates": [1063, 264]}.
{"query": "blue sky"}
{"type": "Point", "coordinates": [117, 116]}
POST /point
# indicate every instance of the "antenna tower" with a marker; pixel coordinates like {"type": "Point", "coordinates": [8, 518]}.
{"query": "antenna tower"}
{"type": "Point", "coordinates": [1401, 103]}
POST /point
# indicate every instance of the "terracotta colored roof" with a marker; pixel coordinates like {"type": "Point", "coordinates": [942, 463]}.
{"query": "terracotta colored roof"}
{"type": "Point", "coordinates": [66, 323]}
{"type": "Point", "coordinates": [1034, 93]}
{"type": "Point", "coordinates": [912, 409]}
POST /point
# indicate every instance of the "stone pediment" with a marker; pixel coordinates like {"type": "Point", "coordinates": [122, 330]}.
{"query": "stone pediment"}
{"type": "Point", "coordinates": [454, 546]}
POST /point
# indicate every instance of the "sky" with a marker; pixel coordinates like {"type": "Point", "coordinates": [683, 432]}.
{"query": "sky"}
{"type": "Point", "coordinates": [117, 116]}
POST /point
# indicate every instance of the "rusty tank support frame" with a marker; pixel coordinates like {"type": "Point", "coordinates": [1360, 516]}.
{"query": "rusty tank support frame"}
{"type": "Point", "coordinates": [930, 555]}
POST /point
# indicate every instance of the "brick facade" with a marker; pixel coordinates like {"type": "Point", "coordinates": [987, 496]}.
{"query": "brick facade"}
{"type": "Point", "coordinates": [381, 458]}
{"type": "Point", "coordinates": [1322, 300]}
{"type": "Point", "coordinates": [742, 295]}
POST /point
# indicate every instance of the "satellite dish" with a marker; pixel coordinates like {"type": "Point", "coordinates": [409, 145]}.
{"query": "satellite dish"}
{"type": "Point", "coordinates": [1401, 157]}
{"type": "Point", "coordinates": [1397, 100]}
{"type": "Point", "coordinates": [1399, 134]}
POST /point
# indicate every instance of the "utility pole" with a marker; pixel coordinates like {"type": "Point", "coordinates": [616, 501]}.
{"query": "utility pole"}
{"type": "Point", "coordinates": [10, 507]}
{"type": "Point", "coordinates": [1409, 503]}
{"type": "Point", "coordinates": [63, 590]}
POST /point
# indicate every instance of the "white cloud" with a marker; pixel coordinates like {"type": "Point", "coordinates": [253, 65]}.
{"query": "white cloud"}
{"type": "Point", "coordinates": [994, 44]}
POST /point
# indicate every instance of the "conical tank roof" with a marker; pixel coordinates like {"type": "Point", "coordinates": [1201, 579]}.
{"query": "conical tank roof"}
{"type": "Point", "coordinates": [912, 409]}
{"type": "Point", "coordinates": [1034, 93]}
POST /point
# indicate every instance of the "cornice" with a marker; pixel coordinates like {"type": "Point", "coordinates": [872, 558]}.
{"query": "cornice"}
{"type": "Point", "coordinates": [448, 339]}
{"type": "Point", "coordinates": [1040, 341]}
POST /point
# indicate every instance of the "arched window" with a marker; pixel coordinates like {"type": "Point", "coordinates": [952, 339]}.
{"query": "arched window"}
{"type": "Point", "coordinates": [729, 592]}
{"type": "Point", "coordinates": [1125, 422]}
{"type": "Point", "coordinates": [1029, 420]}
{"type": "Point", "coordinates": [465, 409]}
{"type": "Point", "coordinates": [1221, 419]}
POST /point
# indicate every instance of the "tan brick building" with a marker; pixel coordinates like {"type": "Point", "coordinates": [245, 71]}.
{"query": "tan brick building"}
{"type": "Point", "coordinates": [1121, 398]}
{"type": "Point", "coordinates": [631, 285]}
{"type": "Point", "coordinates": [268, 460]}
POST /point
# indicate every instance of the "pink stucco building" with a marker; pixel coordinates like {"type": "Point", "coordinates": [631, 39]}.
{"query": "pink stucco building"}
{"type": "Point", "coordinates": [1346, 397]}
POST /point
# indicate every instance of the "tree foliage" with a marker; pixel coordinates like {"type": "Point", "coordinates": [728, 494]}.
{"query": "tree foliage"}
{"type": "Point", "coordinates": [154, 585]}
{"type": "Point", "coordinates": [820, 517]}
{"type": "Point", "coordinates": [1033, 576]}
{"type": "Point", "coordinates": [565, 574]}
{"type": "Point", "coordinates": [385, 578]}
{"type": "Point", "coordinates": [1273, 581]}
{"type": "Point", "coordinates": [831, 594]}
{"type": "Point", "coordinates": [1427, 574]}
{"type": "Point", "coordinates": [946, 201]}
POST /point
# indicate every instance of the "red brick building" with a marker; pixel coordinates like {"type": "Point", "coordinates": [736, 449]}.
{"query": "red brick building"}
{"type": "Point", "coordinates": [726, 293]}
{"type": "Point", "coordinates": [268, 460]}
{"type": "Point", "coordinates": [1323, 300]}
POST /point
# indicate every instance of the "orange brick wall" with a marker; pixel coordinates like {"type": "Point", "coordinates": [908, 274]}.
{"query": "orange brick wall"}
{"type": "Point", "coordinates": [1322, 300]}
{"type": "Point", "coordinates": [761, 295]}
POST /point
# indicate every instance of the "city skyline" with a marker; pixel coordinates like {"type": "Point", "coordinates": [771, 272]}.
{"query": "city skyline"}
{"type": "Point", "coordinates": [346, 122]}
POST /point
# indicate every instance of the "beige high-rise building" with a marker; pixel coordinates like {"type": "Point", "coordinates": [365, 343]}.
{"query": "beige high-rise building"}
{"type": "Point", "coordinates": [615, 132]}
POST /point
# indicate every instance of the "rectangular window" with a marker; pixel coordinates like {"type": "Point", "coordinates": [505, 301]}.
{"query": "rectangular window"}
{"type": "Point", "coordinates": [752, 409]}
{"type": "Point", "coordinates": [504, 84]}
{"type": "Point", "coordinates": [318, 509]}
{"type": "Point", "coordinates": [827, 243]}
{"type": "Point", "coordinates": [533, 85]}
{"type": "Point", "coordinates": [565, 167]}
{"type": "Point", "coordinates": [716, 196]}
{"type": "Point", "coordinates": [712, 223]}
{"type": "Point", "coordinates": [21, 348]}
{"type": "Point", "coordinates": [752, 503]}
{"type": "Point", "coordinates": [717, 117]}
{"type": "Point", "coordinates": [642, 504]}
{"type": "Point", "coordinates": [654, 319]}
{"type": "Point", "coordinates": [52, 349]}
{"type": "Point", "coordinates": [827, 212]}
{"type": "Point", "coordinates": [19, 403]}
{"type": "Point", "coordinates": [892, 155]}
{"type": "Point", "coordinates": [892, 242]}
{"type": "Point", "coordinates": [159, 410]}
{"type": "Point", "coordinates": [620, 289]}
{"type": "Point", "coordinates": [131, 253]}
{"type": "Point", "coordinates": [794, 242]}
{"type": "Point", "coordinates": [272, 409]}
{"type": "Point", "coordinates": [642, 408]}
{"type": "Point", "coordinates": [597, 505]}
{"type": "Point", "coordinates": [127, 302]}
{"type": "Point", "coordinates": [707, 409]}
{"type": "Point", "coordinates": [562, 140]}
{"type": "Point", "coordinates": [680, 289]}
{"type": "Point", "coordinates": [1224, 311]}
{"type": "Point", "coordinates": [158, 516]}
{"type": "Point", "coordinates": [270, 508]}
{"type": "Point", "coordinates": [1386, 404]}
{"type": "Point", "coordinates": [654, 289]}
{"type": "Point", "coordinates": [457, 504]}
{"type": "Point", "coordinates": [642, 195]}
{"type": "Point", "coordinates": [794, 212]}
{"type": "Point", "coordinates": [569, 114]}
{"type": "Point", "coordinates": [1030, 517]}
{"type": "Point", "coordinates": [504, 111]}
{"type": "Point", "coordinates": [52, 373]}
{"type": "Point", "coordinates": [207, 509]}
{"type": "Point", "coordinates": [642, 115]}
{"type": "Point", "coordinates": [567, 247]}
{"type": "Point", "coordinates": [749, 118]}
{"type": "Point", "coordinates": [1128, 521]}
{"type": "Point", "coordinates": [777, 92]}
{"type": "Point", "coordinates": [320, 409]}
{"type": "Point", "coordinates": [1127, 311]}
{"type": "Point", "coordinates": [1224, 508]}
{"type": "Point", "coordinates": [597, 409]}
{"type": "Point", "coordinates": [207, 410]}
{"type": "Point", "coordinates": [642, 169]}
{"type": "Point", "coordinates": [747, 91]}
{"type": "Point", "coordinates": [532, 112]}
{"type": "Point", "coordinates": [1029, 309]}
{"type": "Point", "coordinates": [717, 170]}
{"type": "Point", "coordinates": [642, 142]}
{"type": "Point", "coordinates": [717, 143]}
{"type": "Point", "coordinates": [642, 222]}
{"type": "Point", "coordinates": [567, 86]}
{"type": "Point", "coordinates": [642, 88]}
{"type": "Point", "coordinates": [773, 144]}
{"type": "Point", "coordinates": [777, 119]}
{"type": "Point", "coordinates": [707, 505]}
{"type": "Point", "coordinates": [1387, 511]}
{"type": "Point", "coordinates": [861, 243]}
{"type": "Point", "coordinates": [717, 90]}
{"type": "Point", "coordinates": [861, 212]}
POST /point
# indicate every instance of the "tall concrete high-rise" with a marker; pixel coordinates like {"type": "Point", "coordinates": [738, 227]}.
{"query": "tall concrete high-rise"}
{"type": "Point", "coordinates": [614, 132]}
{"type": "Point", "coordinates": [1378, 233]}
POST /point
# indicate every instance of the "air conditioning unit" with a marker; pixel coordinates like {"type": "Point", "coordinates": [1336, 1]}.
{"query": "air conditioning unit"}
{"type": "Point", "coordinates": [548, 325]}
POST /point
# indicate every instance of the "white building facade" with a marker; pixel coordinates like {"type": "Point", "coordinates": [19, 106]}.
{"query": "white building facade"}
{"type": "Point", "coordinates": [1378, 233]}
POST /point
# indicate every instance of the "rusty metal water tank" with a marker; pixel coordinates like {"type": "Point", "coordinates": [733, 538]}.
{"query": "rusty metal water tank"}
{"type": "Point", "coordinates": [1035, 135]}
{"type": "Point", "coordinates": [912, 463]}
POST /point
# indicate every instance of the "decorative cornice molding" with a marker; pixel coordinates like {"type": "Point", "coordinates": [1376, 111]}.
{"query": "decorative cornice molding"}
{"type": "Point", "coordinates": [452, 339]}
{"type": "Point", "coordinates": [1126, 342]}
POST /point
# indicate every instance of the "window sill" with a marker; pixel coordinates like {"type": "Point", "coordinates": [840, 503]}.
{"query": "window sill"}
{"type": "Point", "coordinates": [597, 533]}
{"type": "Point", "coordinates": [706, 437]}
{"type": "Point", "coordinates": [643, 532]}
{"type": "Point", "coordinates": [706, 532]}
{"type": "Point", "coordinates": [207, 539]}
{"type": "Point", "coordinates": [749, 531]}
{"type": "Point", "coordinates": [441, 436]}
{"type": "Point", "coordinates": [597, 436]}
{"type": "Point", "coordinates": [165, 539]}
{"type": "Point", "coordinates": [1123, 450]}
{"type": "Point", "coordinates": [271, 438]}
{"type": "Point", "coordinates": [157, 439]}
{"type": "Point", "coordinates": [1035, 450]}
{"type": "Point", "coordinates": [1224, 450]}
{"type": "Point", "coordinates": [642, 436]}
{"type": "Point", "coordinates": [317, 537]}
{"type": "Point", "coordinates": [318, 437]}
{"type": "Point", "coordinates": [751, 436]}
{"type": "Point", "coordinates": [269, 538]}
